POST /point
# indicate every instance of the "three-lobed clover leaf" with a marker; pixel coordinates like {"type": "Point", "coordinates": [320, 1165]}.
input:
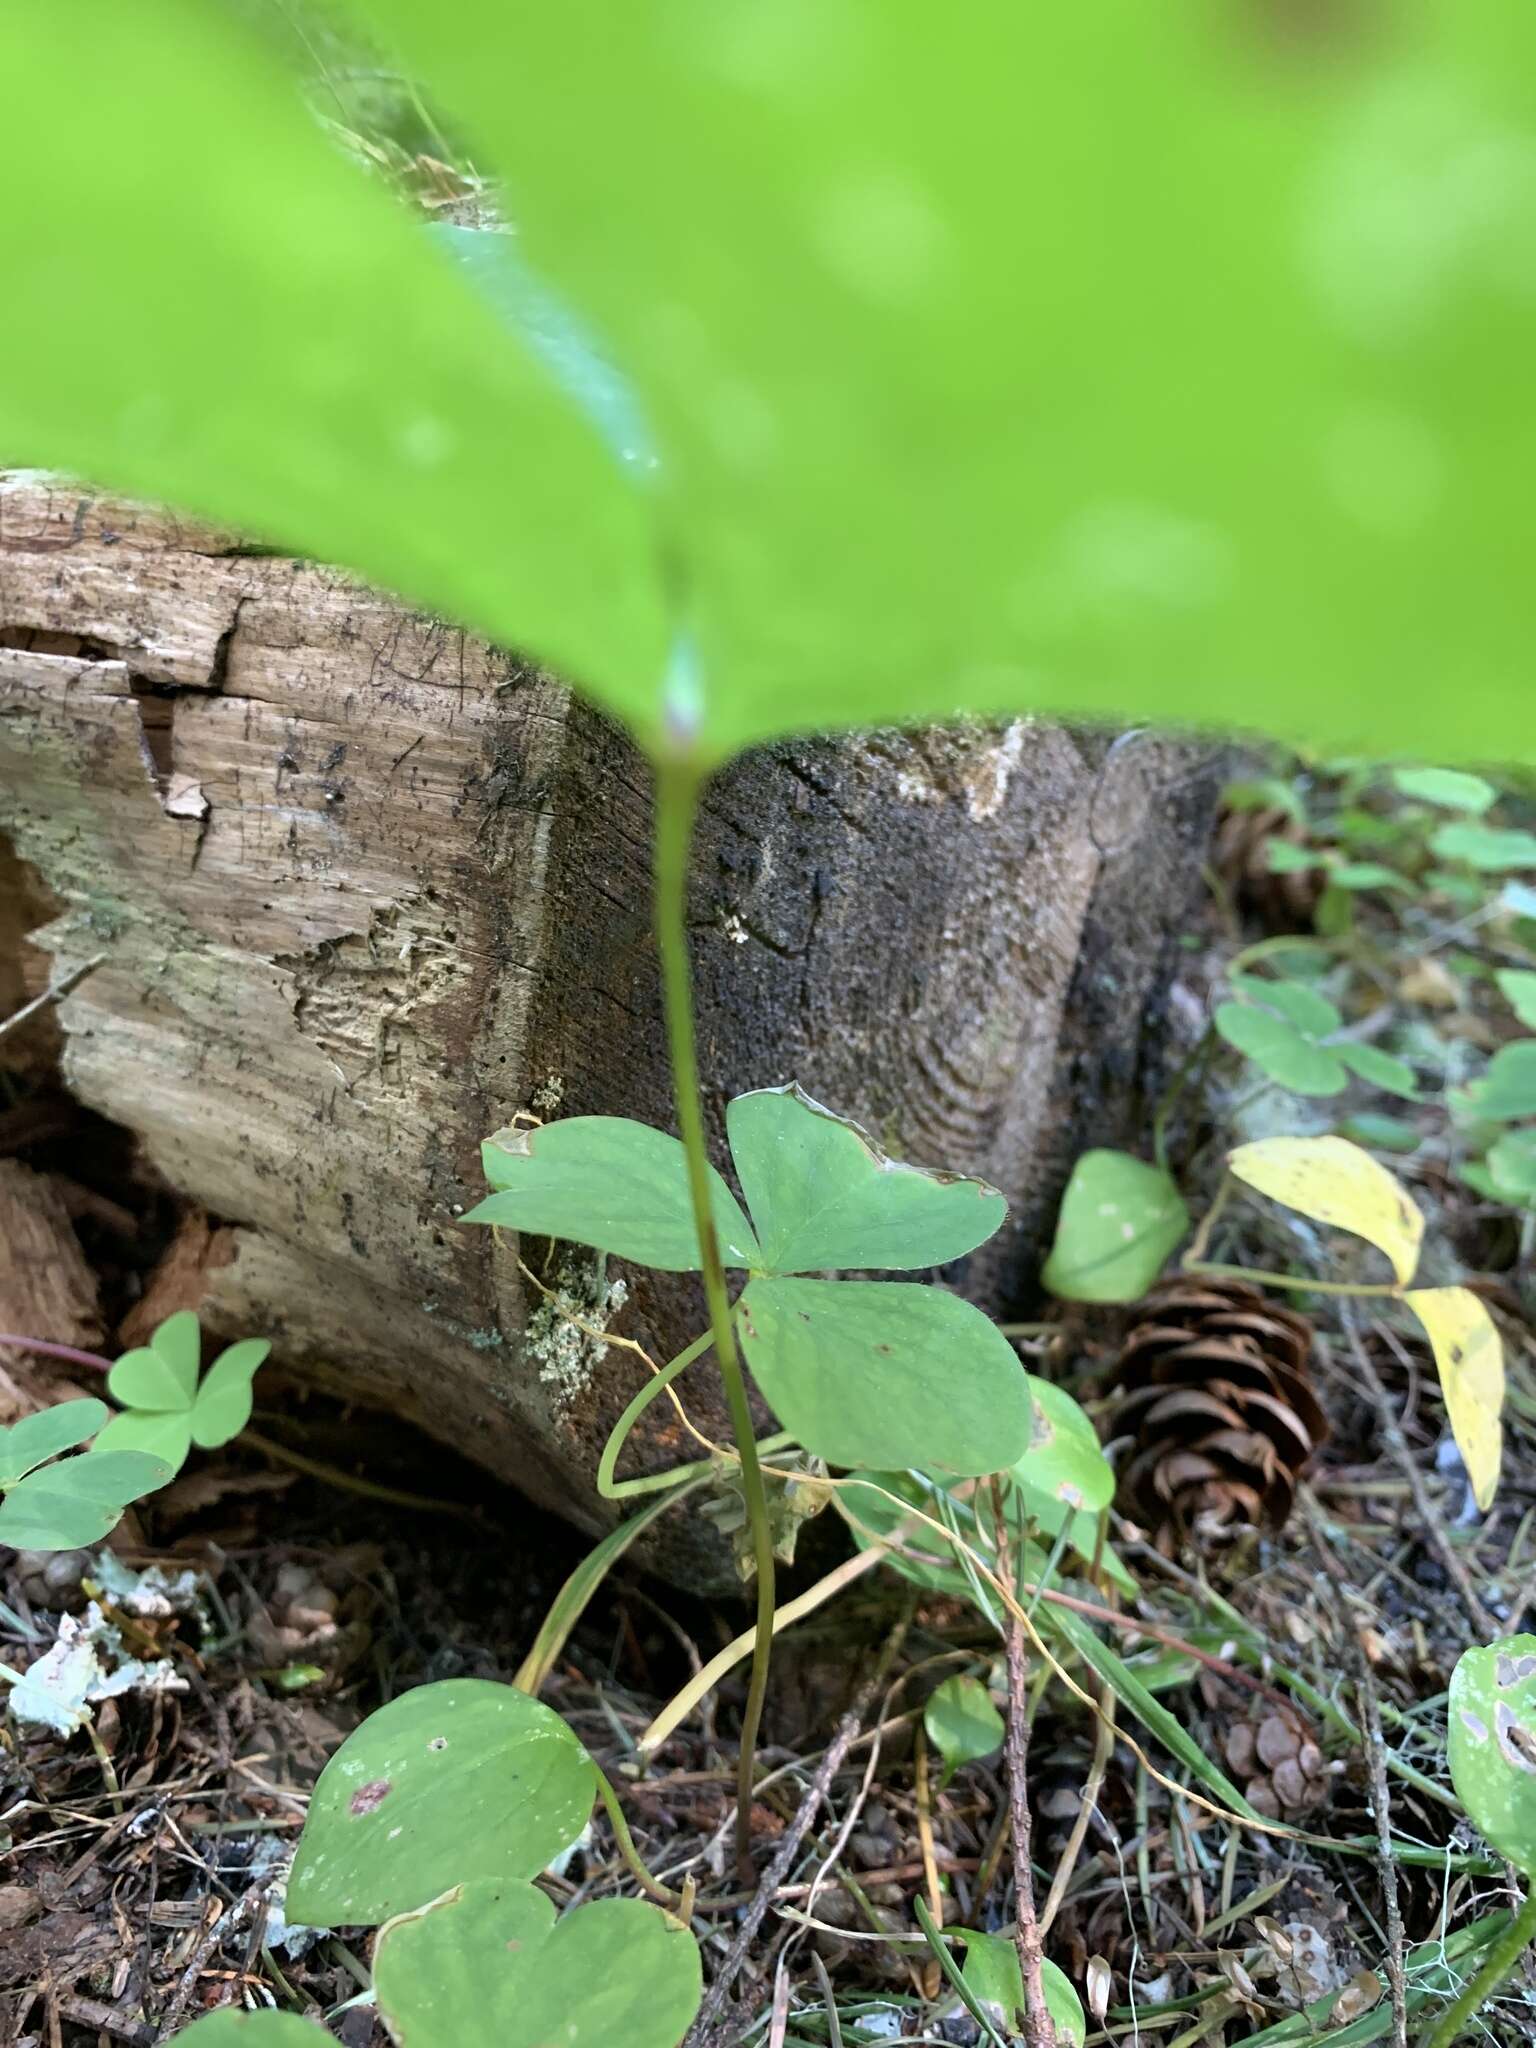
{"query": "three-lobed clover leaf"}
{"type": "Point", "coordinates": [861, 1372]}
{"type": "Point", "coordinates": [1491, 1729]}
{"type": "Point", "coordinates": [165, 1409]}
{"type": "Point", "coordinates": [74, 1501]}
{"type": "Point", "coordinates": [450, 1782]}
{"type": "Point", "coordinates": [1288, 1030]}
{"type": "Point", "coordinates": [490, 1966]}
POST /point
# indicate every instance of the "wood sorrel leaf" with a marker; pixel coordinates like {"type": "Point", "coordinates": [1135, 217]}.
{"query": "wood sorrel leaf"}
{"type": "Point", "coordinates": [918, 457]}
{"type": "Point", "coordinates": [252, 2030]}
{"type": "Point", "coordinates": [1064, 1459]}
{"type": "Point", "coordinates": [36, 1438]}
{"type": "Point", "coordinates": [993, 1977]}
{"type": "Point", "coordinates": [223, 1404]}
{"type": "Point", "coordinates": [1334, 1182]}
{"type": "Point", "coordinates": [167, 1436]}
{"type": "Point", "coordinates": [489, 1966]}
{"type": "Point", "coordinates": [824, 1197]}
{"type": "Point", "coordinates": [163, 1373]}
{"type": "Point", "coordinates": [1508, 1088]}
{"type": "Point", "coordinates": [1470, 1360]}
{"type": "Point", "coordinates": [608, 1182]}
{"type": "Point", "coordinates": [962, 1723]}
{"type": "Point", "coordinates": [449, 1782]}
{"type": "Point", "coordinates": [1275, 1045]}
{"type": "Point", "coordinates": [1120, 1218]}
{"type": "Point", "coordinates": [77, 1501]}
{"type": "Point", "coordinates": [1491, 1719]}
{"type": "Point", "coordinates": [881, 1373]}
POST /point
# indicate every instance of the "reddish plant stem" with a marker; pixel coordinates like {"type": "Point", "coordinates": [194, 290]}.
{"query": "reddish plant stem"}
{"type": "Point", "coordinates": [65, 1351]}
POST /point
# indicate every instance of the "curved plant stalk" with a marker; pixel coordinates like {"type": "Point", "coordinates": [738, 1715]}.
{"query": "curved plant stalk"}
{"type": "Point", "coordinates": [570, 1602]}
{"type": "Point", "coordinates": [629, 1855]}
{"type": "Point", "coordinates": [1502, 1958]}
{"type": "Point", "coordinates": [677, 798]}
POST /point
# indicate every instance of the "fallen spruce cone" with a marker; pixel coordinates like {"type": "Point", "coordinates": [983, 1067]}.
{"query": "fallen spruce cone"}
{"type": "Point", "coordinates": [1218, 1398]}
{"type": "Point", "coordinates": [1282, 899]}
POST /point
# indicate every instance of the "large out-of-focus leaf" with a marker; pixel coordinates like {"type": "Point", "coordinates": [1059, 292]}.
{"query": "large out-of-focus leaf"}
{"type": "Point", "coordinates": [206, 303]}
{"type": "Point", "coordinates": [1164, 361]}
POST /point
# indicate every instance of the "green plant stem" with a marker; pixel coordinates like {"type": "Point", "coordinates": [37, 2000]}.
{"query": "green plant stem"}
{"type": "Point", "coordinates": [678, 784]}
{"type": "Point", "coordinates": [628, 1853]}
{"type": "Point", "coordinates": [1384, 1289]}
{"type": "Point", "coordinates": [1502, 1958]}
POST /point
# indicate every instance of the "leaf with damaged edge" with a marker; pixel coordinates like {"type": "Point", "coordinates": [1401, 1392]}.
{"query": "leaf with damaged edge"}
{"type": "Point", "coordinates": [1064, 1459]}
{"type": "Point", "coordinates": [449, 1782]}
{"type": "Point", "coordinates": [884, 1372]}
{"type": "Point", "coordinates": [1491, 1723]}
{"type": "Point", "coordinates": [489, 1966]}
{"type": "Point", "coordinates": [824, 1197]}
{"type": "Point", "coordinates": [612, 1183]}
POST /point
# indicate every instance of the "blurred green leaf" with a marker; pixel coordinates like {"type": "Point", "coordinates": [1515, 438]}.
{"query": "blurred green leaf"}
{"type": "Point", "coordinates": [1449, 788]}
{"type": "Point", "coordinates": [230, 2029]}
{"type": "Point", "coordinates": [1366, 874]}
{"type": "Point", "coordinates": [1380, 1068]}
{"type": "Point", "coordinates": [1282, 1052]}
{"type": "Point", "coordinates": [1119, 1220]}
{"type": "Point", "coordinates": [962, 1724]}
{"type": "Point", "coordinates": [914, 455]}
{"type": "Point", "coordinates": [1518, 987]}
{"type": "Point", "coordinates": [1486, 847]}
{"type": "Point", "coordinates": [1382, 1133]}
{"type": "Point", "coordinates": [1508, 1087]}
{"type": "Point", "coordinates": [286, 351]}
{"type": "Point", "coordinates": [1491, 1718]}
{"type": "Point", "coordinates": [1512, 1166]}
{"type": "Point", "coordinates": [1310, 1011]}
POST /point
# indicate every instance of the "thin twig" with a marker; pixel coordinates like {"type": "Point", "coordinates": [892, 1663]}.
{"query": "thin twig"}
{"type": "Point", "coordinates": [1039, 2028]}
{"type": "Point", "coordinates": [1397, 1446]}
{"type": "Point", "coordinates": [51, 994]}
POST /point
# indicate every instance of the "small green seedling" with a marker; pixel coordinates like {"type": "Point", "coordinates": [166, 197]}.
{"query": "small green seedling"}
{"type": "Point", "coordinates": [165, 1408]}
{"type": "Point", "coordinates": [1120, 1218]}
{"type": "Point", "coordinates": [862, 1373]}
{"type": "Point", "coordinates": [433, 1816]}
{"type": "Point", "coordinates": [1492, 1744]}
{"type": "Point", "coordinates": [993, 1977]}
{"type": "Point", "coordinates": [1290, 1032]}
{"type": "Point", "coordinates": [63, 1504]}
{"type": "Point", "coordinates": [962, 1724]}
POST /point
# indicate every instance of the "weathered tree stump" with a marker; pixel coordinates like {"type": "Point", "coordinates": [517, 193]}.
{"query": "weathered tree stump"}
{"type": "Point", "coordinates": [364, 887]}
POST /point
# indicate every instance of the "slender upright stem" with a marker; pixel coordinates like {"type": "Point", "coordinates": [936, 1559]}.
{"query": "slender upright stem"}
{"type": "Point", "coordinates": [1502, 1958]}
{"type": "Point", "coordinates": [677, 798]}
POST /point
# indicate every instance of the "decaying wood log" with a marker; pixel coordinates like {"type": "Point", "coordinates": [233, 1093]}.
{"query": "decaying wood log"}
{"type": "Point", "coordinates": [365, 887]}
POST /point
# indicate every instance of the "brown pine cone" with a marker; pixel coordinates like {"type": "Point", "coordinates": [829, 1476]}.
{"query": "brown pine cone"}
{"type": "Point", "coordinates": [1282, 900]}
{"type": "Point", "coordinates": [1218, 1397]}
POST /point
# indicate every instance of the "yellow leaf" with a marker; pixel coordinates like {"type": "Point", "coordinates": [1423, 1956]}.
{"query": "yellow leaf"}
{"type": "Point", "coordinates": [1470, 1361]}
{"type": "Point", "coordinates": [1332, 1181]}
